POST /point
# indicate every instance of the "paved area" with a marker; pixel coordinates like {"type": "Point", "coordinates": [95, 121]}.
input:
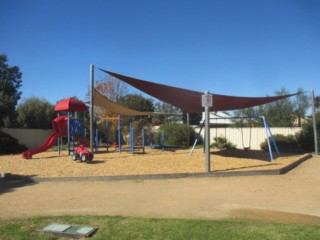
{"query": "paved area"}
{"type": "Point", "coordinates": [292, 197]}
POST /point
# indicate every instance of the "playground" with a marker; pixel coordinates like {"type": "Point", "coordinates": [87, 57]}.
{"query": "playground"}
{"type": "Point", "coordinates": [274, 190]}
{"type": "Point", "coordinates": [153, 161]}
{"type": "Point", "coordinates": [292, 197]}
{"type": "Point", "coordinates": [42, 163]}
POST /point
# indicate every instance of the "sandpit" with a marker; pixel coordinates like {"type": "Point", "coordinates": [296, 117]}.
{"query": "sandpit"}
{"type": "Point", "coordinates": [49, 164]}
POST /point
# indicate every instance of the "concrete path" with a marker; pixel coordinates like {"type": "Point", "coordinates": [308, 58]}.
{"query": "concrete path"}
{"type": "Point", "coordinates": [293, 197]}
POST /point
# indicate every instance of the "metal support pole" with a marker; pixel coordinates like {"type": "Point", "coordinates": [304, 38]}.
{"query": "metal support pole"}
{"type": "Point", "coordinates": [207, 103]}
{"type": "Point", "coordinates": [267, 138]}
{"type": "Point", "coordinates": [131, 135]}
{"type": "Point", "coordinates": [119, 133]}
{"type": "Point", "coordinates": [107, 136]}
{"type": "Point", "coordinates": [314, 124]}
{"type": "Point", "coordinates": [97, 139]}
{"type": "Point", "coordinates": [162, 139]}
{"type": "Point", "coordinates": [207, 140]}
{"type": "Point", "coordinates": [69, 133]}
{"type": "Point", "coordinates": [188, 130]}
{"type": "Point", "coordinates": [132, 141]}
{"type": "Point", "coordinates": [59, 140]}
{"type": "Point", "coordinates": [142, 139]}
{"type": "Point", "coordinates": [91, 106]}
{"type": "Point", "coordinates": [195, 142]}
{"type": "Point", "coordinates": [272, 138]}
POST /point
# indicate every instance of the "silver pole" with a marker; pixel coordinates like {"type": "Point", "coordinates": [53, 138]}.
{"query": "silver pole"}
{"type": "Point", "coordinates": [188, 131]}
{"type": "Point", "coordinates": [91, 107]}
{"type": "Point", "coordinates": [314, 124]}
{"type": "Point", "coordinates": [207, 133]}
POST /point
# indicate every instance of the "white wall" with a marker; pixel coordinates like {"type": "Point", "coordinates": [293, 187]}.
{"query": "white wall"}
{"type": "Point", "coordinates": [234, 135]}
{"type": "Point", "coordinates": [31, 138]}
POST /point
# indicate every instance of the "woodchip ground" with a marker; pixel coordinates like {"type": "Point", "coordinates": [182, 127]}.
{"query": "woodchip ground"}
{"type": "Point", "coordinates": [291, 197]}
{"type": "Point", "coordinates": [49, 164]}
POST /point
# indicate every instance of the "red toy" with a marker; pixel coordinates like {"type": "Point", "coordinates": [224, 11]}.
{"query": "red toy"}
{"type": "Point", "coordinates": [81, 153]}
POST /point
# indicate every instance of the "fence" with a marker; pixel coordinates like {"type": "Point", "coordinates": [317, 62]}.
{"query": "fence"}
{"type": "Point", "coordinates": [241, 137]}
{"type": "Point", "coordinates": [31, 138]}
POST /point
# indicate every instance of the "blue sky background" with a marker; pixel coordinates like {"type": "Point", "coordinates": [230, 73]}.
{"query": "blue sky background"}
{"type": "Point", "coordinates": [231, 47]}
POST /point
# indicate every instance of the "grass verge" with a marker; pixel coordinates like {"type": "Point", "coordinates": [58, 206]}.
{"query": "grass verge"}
{"type": "Point", "coordinates": [141, 228]}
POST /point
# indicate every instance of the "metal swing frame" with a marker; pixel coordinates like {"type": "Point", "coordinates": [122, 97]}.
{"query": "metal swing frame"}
{"type": "Point", "coordinates": [268, 135]}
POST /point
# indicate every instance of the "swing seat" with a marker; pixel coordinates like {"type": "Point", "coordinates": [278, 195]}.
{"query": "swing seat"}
{"type": "Point", "coordinates": [246, 148]}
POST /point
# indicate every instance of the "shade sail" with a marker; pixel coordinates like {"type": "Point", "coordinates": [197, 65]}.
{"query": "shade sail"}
{"type": "Point", "coordinates": [190, 101]}
{"type": "Point", "coordinates": [102, 101]}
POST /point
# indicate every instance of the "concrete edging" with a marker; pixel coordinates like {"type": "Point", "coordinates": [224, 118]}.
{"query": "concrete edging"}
{"type": "Point", "coordinates": [284, 170]}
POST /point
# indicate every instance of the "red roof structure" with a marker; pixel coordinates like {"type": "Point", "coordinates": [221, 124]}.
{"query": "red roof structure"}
{"type": "Point", "coordinates": [190, 101]}
{"type": "Point", "coordinates": [70, 104]}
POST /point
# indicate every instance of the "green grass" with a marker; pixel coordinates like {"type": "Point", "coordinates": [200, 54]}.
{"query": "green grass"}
{"type": "Point", "coordinates": [142, 228]}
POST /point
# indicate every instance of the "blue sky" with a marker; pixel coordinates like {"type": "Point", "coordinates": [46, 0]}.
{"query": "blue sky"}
{"type": "Point", "coordinates": [231, 47]}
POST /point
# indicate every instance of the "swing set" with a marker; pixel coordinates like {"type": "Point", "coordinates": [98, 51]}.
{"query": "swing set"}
{"type": "Point", "coordinates": [152, 141]}
{"type": "Point", "coordinates": [268, 136]}
{"type": "Point", "coordinates": [248, 146]}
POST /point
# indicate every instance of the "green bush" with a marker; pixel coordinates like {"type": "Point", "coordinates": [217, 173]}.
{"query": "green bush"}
{"type": "Point", "coordinates": [284, 143]}
{"type": "Point", "coordinates": [302, 141]}
{"type": "Point", "coordinates": [305, 137]}
{"type": "Point", "coordinates": [222, 143]}
{"type": "Point", "coordinates": [175, 135]}
{"type": "Point", "coordinates": [10, 145]}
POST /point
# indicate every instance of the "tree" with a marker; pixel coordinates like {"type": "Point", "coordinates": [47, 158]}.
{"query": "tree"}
{"type": "Point", "coordinates": [317, 102]}
{"type": "Point", "coordinates": [247, 116]}
{"type": "Point", "coordinates": [176, 135]}
{"type": "Point", "coordinates": [137, 102]}
{"type": "Point", "coordinates": [194, 118]}
{"type": "Point", "coordinates": [301, 105]}
{"type": "Point", "coordinates": [282, 113]}
{"type": "Point", "coordinates": [306, 136]}
{"type": "Point", "coordinates": [173, 114]}
{"type": "Point", "coordinates": [113, 89]}
{"type": "Point", "coordinates": [34, 112]}
{"type": "Point", "coordinates": [10, 83]}
{"type": "Point", "coordinates": [279, 113]}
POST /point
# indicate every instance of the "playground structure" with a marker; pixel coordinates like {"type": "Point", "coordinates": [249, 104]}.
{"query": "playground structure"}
{"type": "Point", "coordinates": [152, 141]}
{"type": "Point", "coordinates": [192, 101]}
{"type": "Point", "coordinates": [187, 100]}
{"type": "Point", "coordinates": [147, 137]}
{"type": "Point", "coordinates": [118, 143]}
{"type": "Point", "coordinates": [103, 102]}
{"type": "Point", "coordinates": [132, 146]}
{"type": "Point", "coordinates": [73, 128]}
{"type": "Point", "coordinates": [64, 126]}
{"type": "Point", "coordinates": [59, 125]}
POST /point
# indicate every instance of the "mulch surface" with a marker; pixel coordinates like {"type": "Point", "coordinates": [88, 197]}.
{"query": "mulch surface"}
{"type": "Point", "coordinates": [49, 164]}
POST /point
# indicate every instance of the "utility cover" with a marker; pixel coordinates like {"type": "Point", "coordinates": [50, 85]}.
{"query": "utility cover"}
{"type": "Point", "coordinates": [69, 230]}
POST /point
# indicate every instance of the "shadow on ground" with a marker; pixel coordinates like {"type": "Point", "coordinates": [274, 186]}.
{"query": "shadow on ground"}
{"type": "Point", "coordinates": [249, 154]}
{"type": "Point", "coordinates": [10, 182]}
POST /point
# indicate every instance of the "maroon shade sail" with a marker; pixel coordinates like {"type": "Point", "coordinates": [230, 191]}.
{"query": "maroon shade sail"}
{"type": "Point", "coordinates": [70, 104]}
{"type": "Point", "coordinates": [190, 101]}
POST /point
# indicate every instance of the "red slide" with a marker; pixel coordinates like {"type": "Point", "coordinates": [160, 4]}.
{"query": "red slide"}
{"type": "Point", "coordinates": [59, 125]}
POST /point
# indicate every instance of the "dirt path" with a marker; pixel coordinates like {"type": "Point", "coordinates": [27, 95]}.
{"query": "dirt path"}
{"type": "Point", "coordinates": [293, 197]}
